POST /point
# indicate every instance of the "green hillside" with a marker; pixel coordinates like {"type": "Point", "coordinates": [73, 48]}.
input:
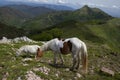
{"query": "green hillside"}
{"type": "Point", "coordinates": [10, 31]}
{"type": "Point", "coordinates": [93, 31]}
{"type": "Point", "coordinates": [48, 20]}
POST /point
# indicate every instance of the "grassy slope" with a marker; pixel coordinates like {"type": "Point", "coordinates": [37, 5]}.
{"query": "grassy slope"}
{"type": "Point", "coordinates": [99, 56]}
{"type": "Point", "coordinates": [110, 32]}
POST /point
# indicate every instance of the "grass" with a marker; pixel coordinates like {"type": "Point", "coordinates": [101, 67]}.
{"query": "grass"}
{"type": "Point", "coordinates": [99, 56]}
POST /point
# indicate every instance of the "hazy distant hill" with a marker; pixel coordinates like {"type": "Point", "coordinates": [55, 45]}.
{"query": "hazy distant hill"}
{"type": "Point", "coordinates": [32, 10]}
{"type": "Point", "coordinates": [83, 14]}
{"type": "Point", "coordinates": [57, 7]}
{"type": "Point", "coordinates": [18, 14]}
{"type": "Point", "coordinates": [12, 16]}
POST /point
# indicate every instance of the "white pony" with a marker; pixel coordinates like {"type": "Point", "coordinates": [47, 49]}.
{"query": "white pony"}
{"type": "Point", "coordinates": [53, 45]}
{"type": "Point", "coordinates": [77, 48]}
{"type": "Point", "coordinates": [78, 51]}
{"type": "Point", "coordinates": [27, 49]}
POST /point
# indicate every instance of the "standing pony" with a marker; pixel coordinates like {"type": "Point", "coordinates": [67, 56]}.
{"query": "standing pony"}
{"type": "Point", "coordinates": [77, 48]}
{"type": "Point", "coordinates": [53, 45]}
{"type": "Point", "coordinates": [32, 49]}
{"type": "Point", "coordinates": [78, 51]}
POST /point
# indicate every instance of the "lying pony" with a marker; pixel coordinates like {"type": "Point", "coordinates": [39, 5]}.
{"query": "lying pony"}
{"type": "Point", "coordinates": [32, 49]}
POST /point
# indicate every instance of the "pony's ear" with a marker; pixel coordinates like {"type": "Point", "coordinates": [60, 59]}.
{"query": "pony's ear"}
{"type": "Point", "coordinates": [38, 49]}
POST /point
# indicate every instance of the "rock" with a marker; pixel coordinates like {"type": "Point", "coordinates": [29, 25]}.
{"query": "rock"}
{"type": "Point", "coordinates": [32, 76]}
{"type": "Point", "coordinates": [78, 75]}
{"type": "Point", "coordinates": [67, 69]}
{"type": "Point", "coordinates": [75, 78]}
{"type": "Point", "coordinates": [43, 70]}
{"type": "Point", "coordinates": [56, 75]}
{"type": "Point", "coordinates": [16, 40]}
{"type": "Point", "coordinates": [24, 38]}
{"type": "Point", "coordinates": [107, 71]}
{"type": "Point", "coordinates": [27, 59]}
{"type": "Point", "coordinates": [19, 78]}
{"type": "Point", "coordinates": [24, 64]}
{"type": "Point", "coordinates": [5, 40]}
{"type": "Point", "coordinates": [35, 69]}
{"type": "Point", "coordinates": [5, 76]}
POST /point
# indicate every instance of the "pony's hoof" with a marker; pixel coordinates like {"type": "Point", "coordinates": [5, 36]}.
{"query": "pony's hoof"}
{"type": "Point", "coordinates": [55, 64]}
{"type": "Point", "coordinates": [71, 69]}
{"type": "Point", "coordinates": [62, 64]}
{"type": "Point", "coordinates": [74, 70]}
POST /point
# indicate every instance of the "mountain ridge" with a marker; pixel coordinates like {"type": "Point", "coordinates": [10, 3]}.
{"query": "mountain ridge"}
{"type": "Point", "coordinates": [45, 21]}
{"type": "Point", "coordinates": [17, 14]}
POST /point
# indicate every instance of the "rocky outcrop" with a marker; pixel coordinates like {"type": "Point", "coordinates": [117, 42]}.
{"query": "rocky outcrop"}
{"type": "Point", "coordinates": [16, 40]}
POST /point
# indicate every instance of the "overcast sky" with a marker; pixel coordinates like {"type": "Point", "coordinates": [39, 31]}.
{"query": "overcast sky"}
{"type": "Point", "coordinates": [100, 3]}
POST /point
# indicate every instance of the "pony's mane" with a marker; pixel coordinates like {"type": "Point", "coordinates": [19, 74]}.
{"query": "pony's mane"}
{"type": "Point", "coordinates": [45, 47]}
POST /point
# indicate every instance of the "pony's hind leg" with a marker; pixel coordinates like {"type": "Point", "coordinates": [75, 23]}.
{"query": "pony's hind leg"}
{"type": "Point", "coordinates": [78, 61]}
{"type": "Point", "coordinates": [74, 61]}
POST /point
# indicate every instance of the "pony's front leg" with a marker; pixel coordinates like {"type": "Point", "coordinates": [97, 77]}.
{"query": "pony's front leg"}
{"type": "Point", "coordinates": [55, 58]}
{"type": "Point", "coordinates": [61, 58]}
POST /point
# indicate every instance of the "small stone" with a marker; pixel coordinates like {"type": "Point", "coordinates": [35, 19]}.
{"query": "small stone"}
{"type": "Point", "coordinates": [19, 78]}
{"type": "Point", "coordinates": [107, 71]}
{"type": "Point", "coordinates": [35, 69]}
{"type": "Point", "coordinates": [27, 59]}
{"type": "Point", "coordinates": [56, 75]}
{"type": "Point", "coordinates": [5, 76]}
{"type": "Point", "coordinates": [78, 75]}
{"type": "Point", "coordinates": [25, 64]}
{"type": "Point", "coordinates": [67, 69]}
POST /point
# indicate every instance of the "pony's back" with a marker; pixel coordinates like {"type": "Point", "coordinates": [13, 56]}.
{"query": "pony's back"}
{"type": "Point", "coordinates": [53, 44]}
{"type": "Point", "coordinates": [27, 49]}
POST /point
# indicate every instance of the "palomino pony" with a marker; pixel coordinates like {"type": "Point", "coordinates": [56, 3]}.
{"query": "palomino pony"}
{"type": "Point", "coordinates": [32, 49]}
{"type": "Point", "coordinates": [77, 48]}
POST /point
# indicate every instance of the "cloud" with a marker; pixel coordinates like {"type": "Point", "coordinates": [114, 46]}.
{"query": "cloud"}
{"type": "Point", "coordinates": [29, 0]}
{"type": "Point", "coordinates": [114, 6]}
{"type": "Point", "coordinates": [93, 5]}
{"type": "Point", "coordinates": [61, 1]}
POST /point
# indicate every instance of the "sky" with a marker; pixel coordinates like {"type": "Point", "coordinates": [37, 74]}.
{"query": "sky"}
{"type": "Point", "coordinates": [77, 3]}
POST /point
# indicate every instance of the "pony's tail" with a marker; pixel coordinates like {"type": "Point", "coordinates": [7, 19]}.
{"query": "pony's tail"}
{"type": "Point", "coordinates": [84, 57]}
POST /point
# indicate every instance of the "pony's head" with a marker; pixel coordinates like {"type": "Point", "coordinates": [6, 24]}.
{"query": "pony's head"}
{"type": "Point", "coordinates": [66, 48]}
{"type": "Point", "coordinates": [39, 53]}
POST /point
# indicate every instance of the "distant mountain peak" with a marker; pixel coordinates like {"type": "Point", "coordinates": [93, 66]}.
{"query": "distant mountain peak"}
{"type": "Point", "coordinates": [85, 6]}
{"type": "Point", "coordinates": [94, 13]}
